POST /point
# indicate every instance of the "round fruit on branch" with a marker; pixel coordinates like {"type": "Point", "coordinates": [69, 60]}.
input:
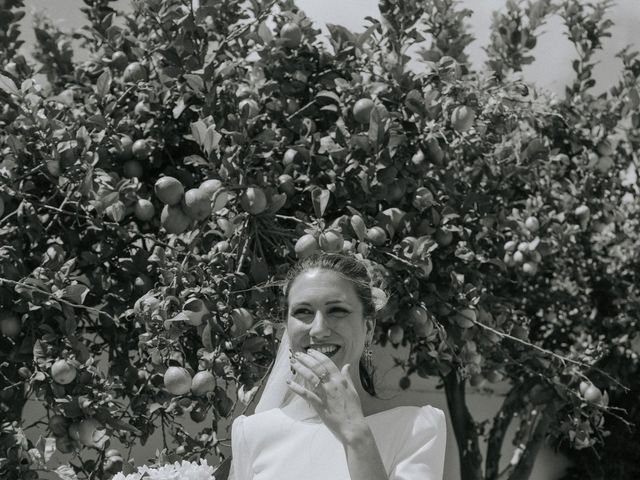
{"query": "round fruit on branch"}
{"type": "Point", "coordinates": [362, 110]}
{"type": "Point", "coordinates": [169, 190]}
{"type": "Point", "coordinates": [197, 204]}
{"type": "Point", "coordinates": [253, 200]}
{"type": "Point", "coordinates": [174, 220]}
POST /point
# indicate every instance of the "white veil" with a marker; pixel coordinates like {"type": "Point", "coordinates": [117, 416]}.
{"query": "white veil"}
{"type": "Point", "coordinates": [276, 391]}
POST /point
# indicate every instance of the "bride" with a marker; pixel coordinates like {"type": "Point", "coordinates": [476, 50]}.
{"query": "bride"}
{"type": "Point", "coordinates": [319, 418]}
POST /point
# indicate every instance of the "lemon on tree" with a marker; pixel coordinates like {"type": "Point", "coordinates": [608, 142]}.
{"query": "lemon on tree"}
{"type": "Point", "coordinates": [592, 394]}
{"type": "Point", "coordinates": [119, 60]}
{"type": "Point", "coordinates": [331, 241]}
{"type": "Point", "coordinates": [376, 235]}
{"type": "Point", "coordinates": [10, 324]}
{"type": "Point", "coordinates": [253, 200]}
{"type": "Point", "coordinates": [362, 110]}
{"type": "Point", "coordinates": [242, 320]}
{"type": "Point", "coordinates": [291, 34]}
{"type": "Point", "coordinates": [135, 72]}
{"type": "Point", "coordinates": [144, 210]}
{"type": "Point", "coordinates": [58, 425]}
{"type": "Point", "coordinates": [290, 156]}
{"type": "Point", "coordinates": [169, 190]}
{"type": "Point", "coordinates": [174, 220]}
{"type": "Point", "coordinates": [532, 224]}
{"type": "Point", "coordinates": [63, 372]}
{"type": "Point", "coordinates": [211, 186]}
{"type": "Point", "coordinates": [203, 382]}
{"type": "Point", "coordinates": [286, 185]}
{"type": "Point", "coordinates": [306, 245]}
{"type": "Point", "coordinates": [89, 432]}
{"type": "Point", "coordinates": [462, 118]}
{"type": "Point", "coordinates": [141, 149]}
{"type": "Point", "coordinates": [177, 380]}
{"type": "Point", "coordinates": [197, 204]}
{"type": "Point", "coordinates": [395, 334]}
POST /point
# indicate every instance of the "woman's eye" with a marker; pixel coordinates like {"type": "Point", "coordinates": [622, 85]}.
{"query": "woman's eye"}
{"type": "Point", "coordinates": [339, 311]}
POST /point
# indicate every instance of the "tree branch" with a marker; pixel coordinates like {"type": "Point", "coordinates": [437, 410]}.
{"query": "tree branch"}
{"type": "Point", "coordinates": [464, 428]}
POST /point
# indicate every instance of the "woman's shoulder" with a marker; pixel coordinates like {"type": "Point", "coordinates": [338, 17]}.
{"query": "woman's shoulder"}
{"type": "Point", "coordinates": [257, 419]}
{"type": "Point", "coordinates": [409, 413]}
{"type": "Point", "coordinates": [410, 420]}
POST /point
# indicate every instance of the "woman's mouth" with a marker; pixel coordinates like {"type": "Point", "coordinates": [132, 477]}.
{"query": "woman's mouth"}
{"type": "Point", "coordinates": [329, 350]}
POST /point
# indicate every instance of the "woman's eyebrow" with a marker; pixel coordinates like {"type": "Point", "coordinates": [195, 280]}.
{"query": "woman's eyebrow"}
{"type": "Point", "coordinates": [306, 304]}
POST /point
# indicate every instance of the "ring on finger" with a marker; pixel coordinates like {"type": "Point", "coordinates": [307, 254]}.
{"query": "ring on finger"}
{"type": "Point", "coordinates": [324, 377]}
{"type": "Point", "coordinates": [317, 384]}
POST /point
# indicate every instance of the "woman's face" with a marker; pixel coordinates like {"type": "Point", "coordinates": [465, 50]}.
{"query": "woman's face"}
{"type": "Point", "coordinates": [325, 313]}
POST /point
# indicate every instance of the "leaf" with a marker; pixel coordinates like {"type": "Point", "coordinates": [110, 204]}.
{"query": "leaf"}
{"type": "Point", "coordinates": [199, 131]}
{"type": "Point", "coordinates": [220, 200]}
{"type": "Point", "coordinates": [103, 85]}
{"type": "Point", "coordinates": [47, 447]}
{"type": "Point", "coordinates": [65, 472]}
{"type": "Point", "coordinates": [195, 82]}
{"type": "Point", "coordinates": [320, 198]}
{"type": "Point", "coordinates": [118, 424]}
{"type": "Point", "coordinates": [195, 160]}
{"type": "Point", "coordinates": [277, 201]}
{"type": "Point", "coordinates": [76, 293]}
{"type": "Point", "coordinates": [7, 85]}
{"type": "Point", "coordinates": [97, 120]}
{"type": "Point", "coordinates": [211, 140]}
{"type": "Point", "coordinates": [264, 33]}
{"type": "Point", "coordinates": [116, 211]}
{"type": "Point", "coordinates": [415, 102]}
{"type": "Point", "coordinates": [340, 34]}
{"type": "Point", "coordinates": [327, 96]}
{"type": "Point", "coordinates": [376, 129]}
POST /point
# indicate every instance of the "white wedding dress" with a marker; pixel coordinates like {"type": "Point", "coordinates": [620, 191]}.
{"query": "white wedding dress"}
{"type": "Point", "coordinates": [271, 445]}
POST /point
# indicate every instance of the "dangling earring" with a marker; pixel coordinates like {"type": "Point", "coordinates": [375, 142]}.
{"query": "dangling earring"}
{"type": "Point", "coordinates": [367, 356]}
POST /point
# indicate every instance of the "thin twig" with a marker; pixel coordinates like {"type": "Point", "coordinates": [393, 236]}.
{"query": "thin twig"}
{"type": "Point", "coordinates": [562, 358]}
{"type": "Point", "coordinates": [53, 297]}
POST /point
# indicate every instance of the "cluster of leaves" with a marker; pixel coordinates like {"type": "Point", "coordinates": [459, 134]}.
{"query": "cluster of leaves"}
{"type": "Point", "coordinates": [502, 221]}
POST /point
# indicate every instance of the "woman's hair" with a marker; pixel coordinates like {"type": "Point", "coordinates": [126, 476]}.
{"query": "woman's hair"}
{"type": "Point", "coordinates": [355, 271]}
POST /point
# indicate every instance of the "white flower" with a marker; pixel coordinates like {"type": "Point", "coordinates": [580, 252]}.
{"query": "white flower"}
{"type": "Point", "coordinates": [177, 471]}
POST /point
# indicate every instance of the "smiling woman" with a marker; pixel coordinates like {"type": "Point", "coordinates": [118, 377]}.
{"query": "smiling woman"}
{"type": "Point", "coordinates": [320, 393]}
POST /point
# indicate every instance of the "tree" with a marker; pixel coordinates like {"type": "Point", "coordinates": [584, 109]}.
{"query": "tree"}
{"type": "Point", "coordinates": [154, 196]}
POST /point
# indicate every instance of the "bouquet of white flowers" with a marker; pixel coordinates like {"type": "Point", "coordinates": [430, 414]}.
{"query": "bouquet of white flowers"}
{"type": "Point", "coordinates": [177, 471]}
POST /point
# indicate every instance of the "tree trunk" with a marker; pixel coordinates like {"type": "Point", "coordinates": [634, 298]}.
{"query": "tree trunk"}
{"type": "Point", "coordinates": [464, 428]}
{"type": "Point", "coordinates": [522, 470]}
{"type": "Point", "coordinates": [501, 423]}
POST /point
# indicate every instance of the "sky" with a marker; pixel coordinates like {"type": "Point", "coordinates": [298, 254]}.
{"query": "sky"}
{"type": "Point", "coordinates": [554, 53]}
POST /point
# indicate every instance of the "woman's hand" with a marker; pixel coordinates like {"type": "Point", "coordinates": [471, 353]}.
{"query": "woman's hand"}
{"type": "Point", "coordinates": [332, 393]}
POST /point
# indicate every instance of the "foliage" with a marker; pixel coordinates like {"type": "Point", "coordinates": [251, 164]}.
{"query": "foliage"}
{"type": "Point", "coordinates": [503, 221]}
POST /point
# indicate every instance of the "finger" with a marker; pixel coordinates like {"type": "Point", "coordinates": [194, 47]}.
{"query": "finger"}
{"type": "Point", "coordinates": [305, 372]}
{"type": "Point", "coordinates": [323, 360]}
{"type": "Point", "coordinates": [304, 393]}
{"type": "Point", "coordinates": [345, 373]}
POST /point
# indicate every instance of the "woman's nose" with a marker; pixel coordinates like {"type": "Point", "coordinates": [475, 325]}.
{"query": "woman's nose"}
{"type": "Point", "coordinates": [319, 326]}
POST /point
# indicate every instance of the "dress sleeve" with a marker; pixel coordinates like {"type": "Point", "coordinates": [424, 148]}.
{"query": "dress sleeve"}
{"type": "Point", "coordinates": [421, 450]}
{"type": "Point", "coordinates": [241, 460]}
